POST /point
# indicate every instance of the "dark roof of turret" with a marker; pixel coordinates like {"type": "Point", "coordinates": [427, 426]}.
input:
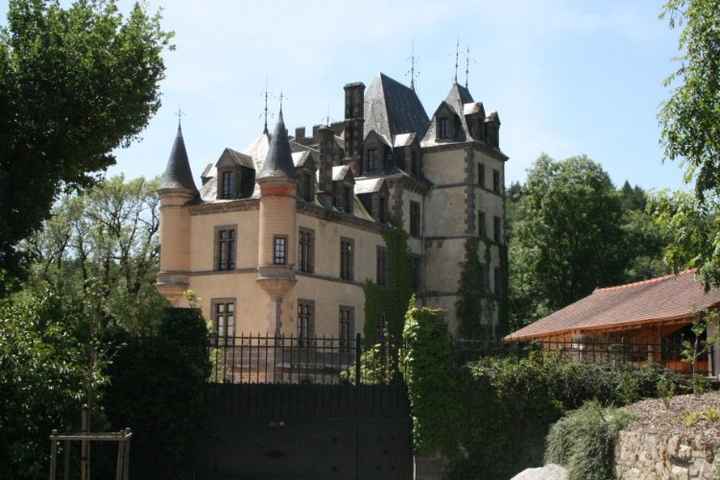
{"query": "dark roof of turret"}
{"type": "Point", "coordinates": [392, 108]}
{"type": "Point", "coordinates": [278, 162]}
{"type": "Point", "coordinates": [177, 173]}
{"type": "Point", "coordinates": [459, 94]}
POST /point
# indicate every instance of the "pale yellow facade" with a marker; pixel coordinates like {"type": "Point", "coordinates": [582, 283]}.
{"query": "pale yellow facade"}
{"type": "Point", "coordinates": [342, 191]}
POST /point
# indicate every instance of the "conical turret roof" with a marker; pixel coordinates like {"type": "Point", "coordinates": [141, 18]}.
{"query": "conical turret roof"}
{"type": "Point", "coordinates": [177, 174]}
{"type": "Point", "coordinates": [278, 162]}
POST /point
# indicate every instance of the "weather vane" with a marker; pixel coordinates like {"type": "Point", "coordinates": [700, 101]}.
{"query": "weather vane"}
{"type": "Point", "coordinates": [457, 56]}
{"type": "Point", "coordinates": [467, 66]}
{"type": "Point", "coordinates": [180, 114]}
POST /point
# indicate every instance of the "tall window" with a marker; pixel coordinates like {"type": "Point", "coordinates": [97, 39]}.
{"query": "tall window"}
{"type": "Point", "coordinates": [414, 219]}
{"type": "Point", "coordinates": [415, 270]}
{"type": "Point", "coordinates": [307, 251]}
{"type": "Point", "coordinates": [482, 229]}
{"type": "Point", "coordinates": [306, 187]}
{"type": "Point", "coordinates": [225, 249]}
{"type": "Point", "coordinates": [372, 160]}
{"type": "Point", "coordinates": [497, 225]}
{"type": "Point", "coordinates": [498, 282]}
{"type": "Point", "coordinates": [381, 266]}
{"type": "Point", "coordinates": [415, 163]}
{"type": "Point", "coordinates": [305, 322]}
{"type": "Point", "coordinates": [346, 259]}
{"type": "Point", "coordinates": [496, 181]}
{"type": "Point", "coordinates": [280, 250]}
{"type": "Point", "coordinates": [227, 184]}
{"type": "Point", "coordinates": [382, 209]}
{"type": "Point", "coordinates": [481, 175]}
{"type": "Point", "coordinates": [442, 125]}
{"type": "Point", "coordinates": [346, 327]}
{"type": "Point", "coordinates": [484, 277]}
{"type": "Point", "coordinates": [223, 314]}
{"type": "Point", "coordinates": [348, 200]}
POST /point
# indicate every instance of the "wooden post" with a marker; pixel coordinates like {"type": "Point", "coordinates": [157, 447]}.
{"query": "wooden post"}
{"type": "Point", "coordinates": [84, 445]}
{"type": "Point", "coordinates": [128, 437]}
{"type": "Point", "coordinates": [66, 465]}
{"type": "Point", "coordinates": [53, 454]}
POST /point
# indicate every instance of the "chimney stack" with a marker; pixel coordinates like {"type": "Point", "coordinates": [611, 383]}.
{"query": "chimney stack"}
{"type": "Point", "coordinates": [354, 124]}
{"type": "Point", "coordinates": [300, 134]}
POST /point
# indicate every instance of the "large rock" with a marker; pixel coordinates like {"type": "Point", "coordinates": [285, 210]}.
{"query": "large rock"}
{"type": "Point", "coordinates": [548, 472]}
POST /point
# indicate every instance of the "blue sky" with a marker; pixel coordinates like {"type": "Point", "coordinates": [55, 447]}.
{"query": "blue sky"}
{"type": "Point", "coordinates": [567, 77]}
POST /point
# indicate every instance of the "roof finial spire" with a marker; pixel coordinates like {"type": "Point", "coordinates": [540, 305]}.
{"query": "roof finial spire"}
{"type": "Point", "coordinates": [467, 66]}
{"type": "Point", "coordinates": [412, 65]}
{"type": "Point", "coordinates": [180, 114]}
{"type": "Point", "coordinates": [282, 96]}
{"type": "Point", "coordinates": [457, 57]}
{"type": "Point", "coordinates": [265, 111]}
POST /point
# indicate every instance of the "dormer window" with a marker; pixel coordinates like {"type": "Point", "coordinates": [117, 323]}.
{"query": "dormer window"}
{"type": "Point", "coordinates": [372, 160]}
{"type": "Point", "coordinates": [227, 184]}
{"type": "Point", "coordinates": [305, 187]}
{"type": "Point", "coordinates": [348, 200]}
{"type": "Point", "coordinates": [443, 128]}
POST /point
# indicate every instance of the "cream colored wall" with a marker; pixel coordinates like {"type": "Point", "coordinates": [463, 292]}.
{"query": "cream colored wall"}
{"type": "Point", "coordinates": [277, 217]}
{"type": "Point", "coordinates": [327, 247]}
{"type": "Point", "coordinates": [445, 212]}
{"type": "Point", "coordinates": [328, 297]}
{"type": "Point", "coordinates": [175, 233]}
{"type": "Point", "coordinates": [202, 240]}
{"type": "Point", "coordinates": [444, 166]}
{"type": "Point", "coordinates": [252, 304]}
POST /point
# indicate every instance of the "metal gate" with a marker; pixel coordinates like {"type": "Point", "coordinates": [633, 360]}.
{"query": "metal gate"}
{"type": "Point", "coordinates": [289, 408]}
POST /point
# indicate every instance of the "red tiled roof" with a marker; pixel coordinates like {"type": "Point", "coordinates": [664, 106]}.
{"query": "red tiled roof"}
{"type": "Point", "coordinates": [656, 300]}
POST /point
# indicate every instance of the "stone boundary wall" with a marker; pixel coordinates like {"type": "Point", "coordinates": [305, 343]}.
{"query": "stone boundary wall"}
{"type": "Point", "coordinates": [653, 456]}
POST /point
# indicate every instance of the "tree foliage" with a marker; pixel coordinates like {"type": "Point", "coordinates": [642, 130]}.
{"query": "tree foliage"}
{"type": "Point", "coordinates": [566, 233]}
{"type": "Point", "coordinates": [103, 245]}
{"type": "Point", "coordinates": [75, 83]}
{"type": "Point", "coordinates": [571, 231]}
{"type": "Point", "coordinates": [690, 119]}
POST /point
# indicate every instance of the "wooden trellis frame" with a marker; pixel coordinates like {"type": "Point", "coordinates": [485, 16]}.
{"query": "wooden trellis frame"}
{"type": "Point", "coordinates": [123, 454]}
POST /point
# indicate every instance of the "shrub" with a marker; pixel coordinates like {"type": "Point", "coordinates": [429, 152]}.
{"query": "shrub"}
{"type": "Point", "coordinates": [493, 415]}
{"type": "Point", "coordinates": [157, 388]}
{"type": "Point", "coordinates": [43, 369]}
{"type": "Point", "coordinates": [584, 441]}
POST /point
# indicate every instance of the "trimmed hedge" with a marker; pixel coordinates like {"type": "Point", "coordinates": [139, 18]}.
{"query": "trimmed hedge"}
{"type": "Point", "coordinates": [158, 389]}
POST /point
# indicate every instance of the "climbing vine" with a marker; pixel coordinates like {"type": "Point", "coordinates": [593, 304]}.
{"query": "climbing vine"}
{"type": "Point", "coordinates": [475, 299]}
{"type": "Point", "coordinates": [390, 301]}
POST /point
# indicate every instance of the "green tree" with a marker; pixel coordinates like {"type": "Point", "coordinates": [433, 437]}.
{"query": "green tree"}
{"type": "Point", "coordinates": [567, 236]}
{"type": "Point", "coordinates": [690, 119]}
{"type": "Point", "coordinates": [692, 229]}
{"type": "Point", "coordinates": [103, 245]}
{"type": "Point", "coordinates": [75, 83]}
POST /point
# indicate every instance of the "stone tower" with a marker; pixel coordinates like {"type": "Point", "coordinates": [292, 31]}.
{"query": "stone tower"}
{"type": "Point", "coordinates": [177, 191]}
{"type": "Point", "coordinates": [277, 243]}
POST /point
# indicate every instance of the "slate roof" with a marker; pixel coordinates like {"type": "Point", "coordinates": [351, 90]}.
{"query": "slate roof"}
{"type": "Point", "coordinates": [391, 108]}
{"type": "Point", "coordinates": [177, 173]}
{"type": "Point", "coordinates": [278, 162]}
{"type": "Point", "coordinates": [368, 185]}
{"type": "Point", "coordinates": [667, 298]}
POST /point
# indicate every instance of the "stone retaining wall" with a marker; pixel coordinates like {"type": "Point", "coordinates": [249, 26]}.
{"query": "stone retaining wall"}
{"type": "Point", "coordinates": [651, 456]}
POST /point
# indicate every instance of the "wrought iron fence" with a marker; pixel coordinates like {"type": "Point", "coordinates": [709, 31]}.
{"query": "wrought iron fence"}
{"type": "Point", "coordinates": [614, 353]}
{"type": "Point", "coordinates": [284, 359]}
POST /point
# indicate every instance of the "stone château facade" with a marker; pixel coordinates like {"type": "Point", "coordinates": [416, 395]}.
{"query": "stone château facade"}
{"type": "Point", "coordinates": [282, 237]}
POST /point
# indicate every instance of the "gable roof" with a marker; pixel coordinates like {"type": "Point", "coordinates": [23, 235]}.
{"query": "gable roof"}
{"type": "Point", "coordinates": [392, 108]}
{"type": "Point", "coordinates": [668, 298]}
{"type": "Point", "coordinates": [177, 173]}
{"type": "Point", "coordinates": [233, 157]}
